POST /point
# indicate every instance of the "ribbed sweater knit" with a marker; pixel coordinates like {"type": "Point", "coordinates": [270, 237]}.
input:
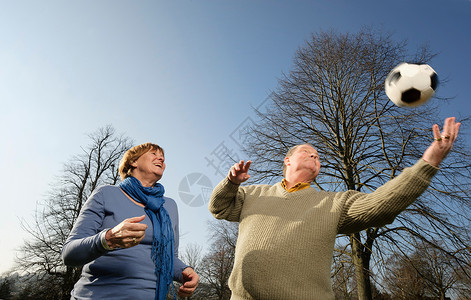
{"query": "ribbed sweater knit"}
{"type": "Point", "coordinates": [286, 240]}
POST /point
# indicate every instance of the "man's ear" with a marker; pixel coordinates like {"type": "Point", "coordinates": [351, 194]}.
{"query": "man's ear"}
{"type": "Point", "coordinates": [286, 161]}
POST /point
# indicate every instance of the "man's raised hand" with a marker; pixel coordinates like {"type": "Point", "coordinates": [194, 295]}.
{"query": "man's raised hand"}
{"type": "Point", "coordinates": [443, 142]}
{"type": "Point", "coordinates": [238, 173]}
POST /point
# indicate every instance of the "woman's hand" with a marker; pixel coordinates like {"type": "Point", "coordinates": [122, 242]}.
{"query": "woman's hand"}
{"type": "Point", "coordinates": [189, 282]}
{"type": "Point", "coordinates": [126, 234]}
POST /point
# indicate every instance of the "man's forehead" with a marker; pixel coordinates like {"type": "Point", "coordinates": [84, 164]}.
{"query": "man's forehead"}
{"type": "Point", "coordinates": [306, 147]}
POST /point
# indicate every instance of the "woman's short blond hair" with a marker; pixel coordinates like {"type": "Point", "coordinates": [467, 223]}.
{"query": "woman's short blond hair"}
{"type": "Point", "coordinates": [133, 154]}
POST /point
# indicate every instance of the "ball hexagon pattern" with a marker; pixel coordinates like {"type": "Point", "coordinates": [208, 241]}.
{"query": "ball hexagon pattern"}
{"type": "Point", "coordinates": [411, 84]}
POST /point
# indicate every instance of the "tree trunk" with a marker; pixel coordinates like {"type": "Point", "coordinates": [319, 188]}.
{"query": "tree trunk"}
{"type": "Point", "coordinates": [361, 262]}
{"type": "Point", "coordinates": [71, 276]}
{"type": "Point", "coordinates": [442, 294]}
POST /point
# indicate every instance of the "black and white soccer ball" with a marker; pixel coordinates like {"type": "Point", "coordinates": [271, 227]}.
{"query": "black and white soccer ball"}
{"type": "Point", "coordinates": [411, 84]}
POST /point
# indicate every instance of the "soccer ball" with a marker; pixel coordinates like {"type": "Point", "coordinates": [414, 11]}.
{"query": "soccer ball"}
{"type": "Point", "coordinates": [411, 84]}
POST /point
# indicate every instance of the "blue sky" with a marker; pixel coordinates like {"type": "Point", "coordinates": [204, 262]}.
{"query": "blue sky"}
{"type": "Point", "coordinates": [183, 74]}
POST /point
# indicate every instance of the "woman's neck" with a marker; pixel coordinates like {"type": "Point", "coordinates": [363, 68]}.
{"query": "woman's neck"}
{"type": "Point", "coordinates": [146, 182]}
{"type": "Point", "coordinates": [134, 201]}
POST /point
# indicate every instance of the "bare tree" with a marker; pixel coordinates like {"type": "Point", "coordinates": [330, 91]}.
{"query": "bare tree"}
{"type": "Point", "coordinates": [463, 285]}
{"type": "Point", "coordinates": [96, 165]}
{"type": "Point", "coordinates": [6, 288]}
{"type": "Point", "coordinates": [404, 282]}
{"type": "Point", "coordinates": [217, 264]}
{"type": "Point", "coordinates": [344, 281]}
{"type": "Point", "coordinates": [193, 256]}
{"type": "Point", "coordinates": [333, 99]}
{"type": "Point", "coordinates": [438, 269]}
{"type": "Point", "coordinates": [343, 276]}
{"type": "Point", "coordinates": [427, 272]}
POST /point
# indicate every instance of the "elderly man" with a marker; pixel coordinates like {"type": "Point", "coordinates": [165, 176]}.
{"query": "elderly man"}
{"type": "Point", "coordinates": [287, 230]}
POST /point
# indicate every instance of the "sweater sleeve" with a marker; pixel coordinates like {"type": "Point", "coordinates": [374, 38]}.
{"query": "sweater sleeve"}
{"type": "Point", "coordinates": [84, 242]}
{"type": "Point", "coordinates": [361, 211]}
{"type": "Point", "coordinates": [226, 201]}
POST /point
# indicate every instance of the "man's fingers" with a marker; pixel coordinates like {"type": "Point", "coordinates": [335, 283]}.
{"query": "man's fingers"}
{"type": "Point", "coordinates": [457, 129]}
{"type": "Point", "coordinates": [436, 131]}
{"type": "Point", "coordinates": [238, 172]}
{"type": "Point", "coordinates": [451, 127]}
{"type": "Point", "coordinates": [450, 130]}
{"type": "Point", "coordinates": [448, 127]}
{"type": "Point", "coordinates": [454, 128]}
{"type": "Point", "coordinates": [247, 166]}
{"type": "Point", "coordinates": [240, 165]}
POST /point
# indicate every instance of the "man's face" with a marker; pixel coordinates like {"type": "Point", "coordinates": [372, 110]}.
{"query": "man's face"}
{"type": "Point", "coordinates": [306, 158]}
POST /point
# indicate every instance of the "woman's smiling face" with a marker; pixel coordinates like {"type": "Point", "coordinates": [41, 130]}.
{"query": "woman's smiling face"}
{"type": "Point", "coordinates": [150, 166]}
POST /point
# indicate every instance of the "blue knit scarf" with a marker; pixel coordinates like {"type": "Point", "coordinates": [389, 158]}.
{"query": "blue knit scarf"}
{"type": "Point", "coordinates": [162, 244]}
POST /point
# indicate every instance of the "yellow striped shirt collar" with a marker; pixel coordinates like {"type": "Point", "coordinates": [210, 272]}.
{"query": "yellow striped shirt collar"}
{"type": "Point", "coordinates": [297, 187]}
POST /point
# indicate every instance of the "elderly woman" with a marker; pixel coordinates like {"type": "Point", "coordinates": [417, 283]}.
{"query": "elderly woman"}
{"type": "Point", "coordinates": [126, 236]}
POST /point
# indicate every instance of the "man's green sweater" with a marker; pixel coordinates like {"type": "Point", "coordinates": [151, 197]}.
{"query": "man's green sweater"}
{"type": "Point", "coordinates": [286, 240]}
